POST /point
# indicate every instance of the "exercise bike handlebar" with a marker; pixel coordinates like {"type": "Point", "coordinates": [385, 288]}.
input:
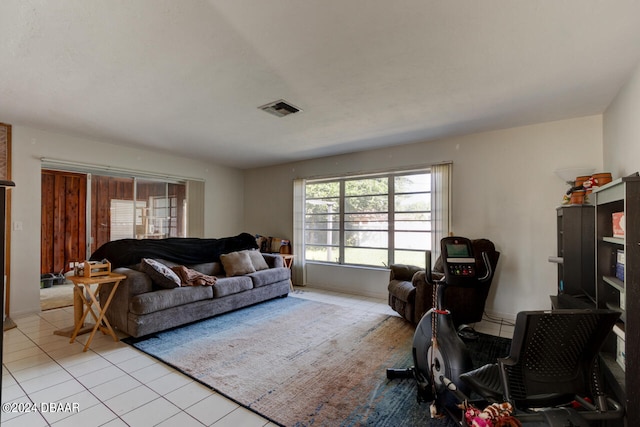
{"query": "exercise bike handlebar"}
{"type": "Point", "coordinates": [487, 264]}
{"type": "Point", "coordinates": [427, 270]}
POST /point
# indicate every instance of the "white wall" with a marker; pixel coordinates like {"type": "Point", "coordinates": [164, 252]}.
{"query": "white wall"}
{"type": "Point", "coordinates": [622, 129]}
{"type": "Point", "coordinates": [223, 195]}
{"type": "Point", "coordinates": [504, 189]}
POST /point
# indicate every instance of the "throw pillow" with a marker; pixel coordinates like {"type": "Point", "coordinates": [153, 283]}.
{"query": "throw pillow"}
{"type": "Point", "coordinates": [160, 274]}
{"type": "Point", "coordinates": [257, 260]}
{"type": "Point", "coordinates": [237, 263]}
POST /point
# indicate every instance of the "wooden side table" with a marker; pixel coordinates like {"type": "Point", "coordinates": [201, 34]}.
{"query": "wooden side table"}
{"type": "Point", "coordinates": [288, 262]}
{"type": "Point", "coordinates": [87, 300]}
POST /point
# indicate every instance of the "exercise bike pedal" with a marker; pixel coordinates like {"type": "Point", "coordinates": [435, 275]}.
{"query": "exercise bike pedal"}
{"type": "Point", "coordinates": [467, 333]}
{"type": "Point", "coordinates": [393, 373]}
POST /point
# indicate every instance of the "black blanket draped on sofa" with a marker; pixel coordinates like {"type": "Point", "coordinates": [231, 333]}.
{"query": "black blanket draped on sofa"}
{"type": "Point", "coordinates": [187, 250]}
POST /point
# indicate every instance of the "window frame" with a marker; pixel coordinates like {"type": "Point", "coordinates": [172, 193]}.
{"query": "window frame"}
{"type": "Point", "coordinates": [391, 213]}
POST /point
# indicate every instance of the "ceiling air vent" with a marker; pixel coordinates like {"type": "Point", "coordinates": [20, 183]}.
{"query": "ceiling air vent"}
{"type": "Point", "coordinates": [279, 108]}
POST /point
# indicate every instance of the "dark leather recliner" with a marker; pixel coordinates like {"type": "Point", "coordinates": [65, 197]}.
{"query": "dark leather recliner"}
{"type": "Point", "coordinates": [412, 296]}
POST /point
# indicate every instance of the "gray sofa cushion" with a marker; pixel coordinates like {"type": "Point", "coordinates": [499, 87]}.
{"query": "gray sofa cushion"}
{"type": "Point", "coordinates": [272, 275]}
{"type": "Point", "coordinates": [231, 285]}
{"type": "Point", "coordinates": [209, 268]}
{"type": "Point", "coordinates": [165, 298]}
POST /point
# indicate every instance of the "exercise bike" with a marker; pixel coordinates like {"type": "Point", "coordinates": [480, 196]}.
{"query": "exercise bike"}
{"type": "Point", "coordinates": [441, 358]}
{"type": "Point", "coordinates": [439, 354]}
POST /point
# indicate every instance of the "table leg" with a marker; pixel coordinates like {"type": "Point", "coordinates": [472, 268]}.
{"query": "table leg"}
{"type": "Point", "coordinates": [101, 317]}
{"type": "Point", "coordinates": [78, 309]}
{"type": "Point", "coordinates": [103, 311]}
{"type": "Point", "coordinates": [86, 310]}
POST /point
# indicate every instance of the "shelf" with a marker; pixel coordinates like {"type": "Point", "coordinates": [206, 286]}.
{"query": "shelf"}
{"type": "Point", "coordinates": [614, 240]}
{"type": "Point", "coordinates": [612, 306]}
{"type": "Point", "coordinates": [615, 282]}
{"type": "Point", "coordinates": [575, 249]}
{"type": "Point", "coordinates": [621, 195]}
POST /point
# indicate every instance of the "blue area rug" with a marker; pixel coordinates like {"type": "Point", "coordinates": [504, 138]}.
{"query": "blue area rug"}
{"type": "Point", "coordinates": [299, 363]}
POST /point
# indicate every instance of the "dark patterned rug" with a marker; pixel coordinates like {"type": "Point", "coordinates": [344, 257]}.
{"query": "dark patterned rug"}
{"type": "Point", "coordinates": [300, 363]}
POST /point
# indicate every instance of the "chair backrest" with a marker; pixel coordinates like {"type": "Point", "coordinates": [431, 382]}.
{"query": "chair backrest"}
{"type": "Point", "coordinates": [552, 354]}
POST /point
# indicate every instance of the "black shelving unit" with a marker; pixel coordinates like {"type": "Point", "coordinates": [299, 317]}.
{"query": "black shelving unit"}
{"type": "Point", "coordinates": [575, 257]}
{"type": "Point", "coordinates": [623, 294]}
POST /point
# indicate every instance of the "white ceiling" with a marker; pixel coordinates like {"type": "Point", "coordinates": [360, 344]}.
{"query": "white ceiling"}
{"type": "Point", "coordinates": [187, 76]}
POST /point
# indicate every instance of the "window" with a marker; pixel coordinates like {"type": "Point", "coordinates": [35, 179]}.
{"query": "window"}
{"type": "Point", "coordinates": [122, 217]}
{"type": "Point", "coordinates": [373, 220]}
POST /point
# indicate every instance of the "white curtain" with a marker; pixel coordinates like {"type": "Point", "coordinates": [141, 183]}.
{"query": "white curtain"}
{"type": "Point", "coordinates": [298, 270]}
{"type": "Point", "coordinates": [440, 206]}
{"type": "Point", "coordinates": [195, 208]}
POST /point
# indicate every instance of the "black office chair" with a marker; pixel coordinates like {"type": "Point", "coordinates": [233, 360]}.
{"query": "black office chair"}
{"type": "Point", "coordinates": [552, 365]}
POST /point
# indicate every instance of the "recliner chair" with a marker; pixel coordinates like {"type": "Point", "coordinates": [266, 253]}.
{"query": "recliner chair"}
{"type": "Point", "coordinates": [411, 295]}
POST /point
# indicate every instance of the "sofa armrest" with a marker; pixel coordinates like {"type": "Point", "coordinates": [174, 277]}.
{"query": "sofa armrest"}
{"type": "Point", "coordinates": [273, 260]}
{"type": "Point", "coordinates": [136, 283]}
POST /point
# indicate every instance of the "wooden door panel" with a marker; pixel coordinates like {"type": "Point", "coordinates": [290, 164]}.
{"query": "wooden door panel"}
{"type": "Point", "coordinates": [47, 227]}
{"type": "Point", "coordinates": [63, 227]}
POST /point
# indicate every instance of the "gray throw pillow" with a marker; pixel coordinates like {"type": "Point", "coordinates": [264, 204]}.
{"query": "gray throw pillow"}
{"type": "Point", "coordinates": [237, 263]}
{"type": "Point", "coordinates": [160, 274]}
{"type": "Point", "coordinates": [257, 260]}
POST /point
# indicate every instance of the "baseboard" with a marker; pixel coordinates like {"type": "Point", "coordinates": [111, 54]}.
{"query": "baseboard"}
{"type": "Point", "coordinates": [366, 294]}
{"type": "Point", "coordinates": [505, 317]}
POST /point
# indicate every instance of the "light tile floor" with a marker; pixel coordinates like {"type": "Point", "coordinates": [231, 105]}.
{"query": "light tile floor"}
{"type": "Point", "coordinates": [113, 384]}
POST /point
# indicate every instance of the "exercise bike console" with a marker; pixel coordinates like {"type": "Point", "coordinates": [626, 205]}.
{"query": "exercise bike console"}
{"type": "Point", "coordinates": [458, 261]}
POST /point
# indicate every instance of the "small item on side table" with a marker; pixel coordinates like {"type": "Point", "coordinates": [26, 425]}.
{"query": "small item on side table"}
{"type": "Point", "coordinates": [93, 268]}
{"type": "Point", "coordinates": [285, 247]}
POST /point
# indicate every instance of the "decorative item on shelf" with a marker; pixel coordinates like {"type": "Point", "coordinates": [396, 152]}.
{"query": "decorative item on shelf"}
{"type": "Point", "coordinates": [577, 197]}
{"type": "Point", "coordinates": [602, 178]}
{"type": "Point", "coordinates": [617, 224]}
{"type": "Point", "coordinates": [93, 268]}
{"type": "Point", "coordinates": [583, 186]}
{"type": "Point", "coordinates": [569, 175]}
{"type": "Point", "coordinates": [580, 180]}
{"type": "Point", "coordinates": [620, 265]}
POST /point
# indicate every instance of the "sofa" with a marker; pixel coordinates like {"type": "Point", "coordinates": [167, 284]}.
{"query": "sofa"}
{"type": "Point", "coordinates": [150, 300]}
